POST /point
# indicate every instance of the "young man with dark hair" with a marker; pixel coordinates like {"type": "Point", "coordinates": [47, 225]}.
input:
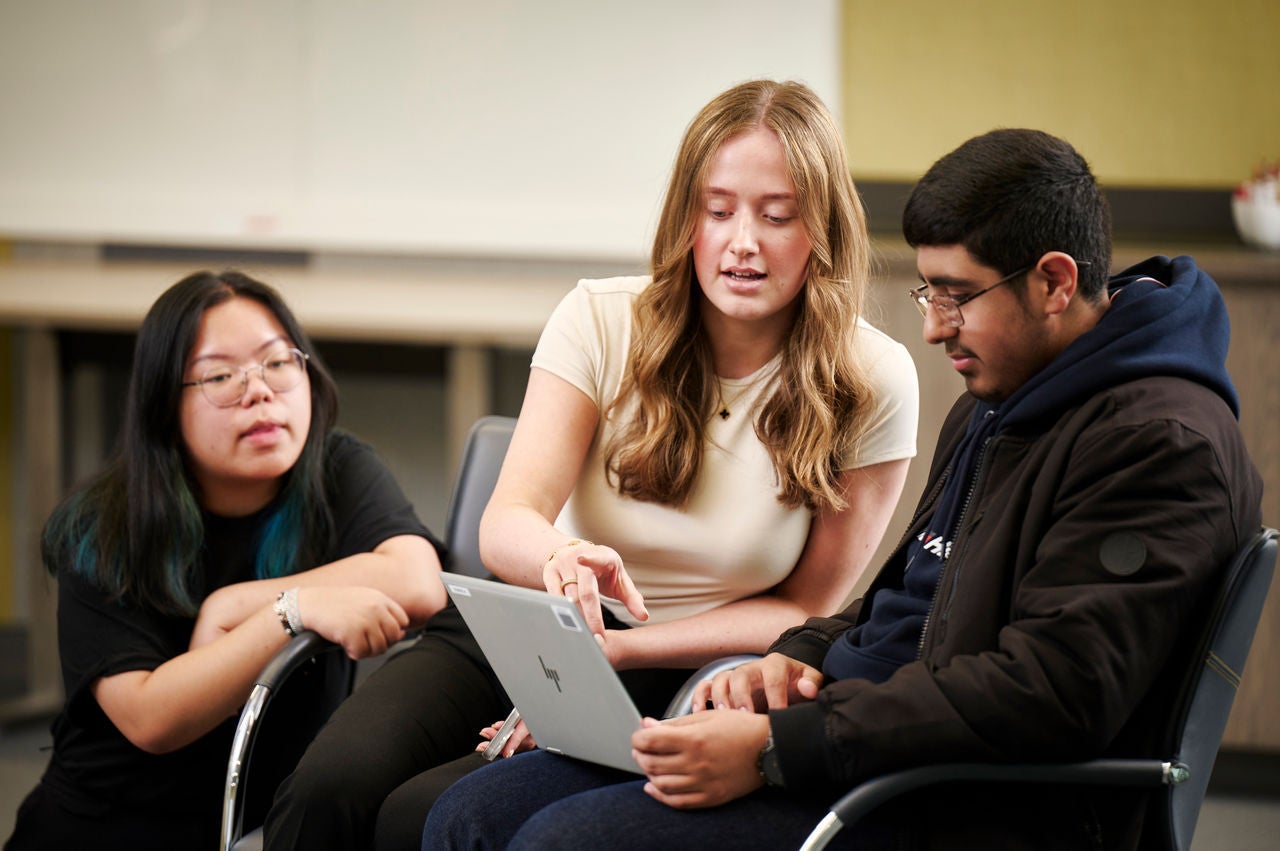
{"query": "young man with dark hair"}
{"type": "Point", "coordinates": [1085, 495]}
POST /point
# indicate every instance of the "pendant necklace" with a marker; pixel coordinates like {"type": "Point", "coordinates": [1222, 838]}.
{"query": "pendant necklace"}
{"type": "Point", "coordinates": [724, 403]}
{"type": "Point", "coordinates": [742, 388]}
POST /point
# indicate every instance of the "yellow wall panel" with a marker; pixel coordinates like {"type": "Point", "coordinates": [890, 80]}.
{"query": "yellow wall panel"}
{"type": "Point", "coordinates": [1156, 93]}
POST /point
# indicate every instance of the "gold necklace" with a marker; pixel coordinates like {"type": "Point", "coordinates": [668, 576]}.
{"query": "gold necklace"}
{"type": "Point", "coordinates": [723, 403]}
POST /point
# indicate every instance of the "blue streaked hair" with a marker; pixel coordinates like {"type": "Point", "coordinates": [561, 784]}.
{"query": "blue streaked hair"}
{"type": "Point", "coordinates": [135, 530]}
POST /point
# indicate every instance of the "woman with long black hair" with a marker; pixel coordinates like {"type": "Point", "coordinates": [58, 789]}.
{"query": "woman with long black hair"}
{"type": "Point", "coordinates": [231, 517]}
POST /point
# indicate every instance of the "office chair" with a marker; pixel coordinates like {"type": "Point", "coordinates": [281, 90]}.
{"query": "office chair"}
{"type": "Point", "coordinates": [482, 456]}
{"type": "Point", "coordinates": [1195, 722]}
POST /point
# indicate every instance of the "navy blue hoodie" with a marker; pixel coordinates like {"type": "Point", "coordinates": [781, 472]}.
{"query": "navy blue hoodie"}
{"type": "Point", "coordinates": [1167, 318]}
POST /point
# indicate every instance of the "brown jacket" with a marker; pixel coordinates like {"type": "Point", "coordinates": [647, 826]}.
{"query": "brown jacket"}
{"type": "Point", "coordinates": [1088, 545]}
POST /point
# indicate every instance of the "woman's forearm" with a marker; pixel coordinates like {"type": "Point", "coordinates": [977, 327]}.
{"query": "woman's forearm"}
{"type": "Point", "coordinates": [515, 542]}
{"type": "Point", "coordinates": [744, 626]}
{"type": "Point", "coordinates": [405, 568]}
{"type": "Point", "coordinates": [170, 707]}
{"type": "Point", "coordinates": [187, 696]}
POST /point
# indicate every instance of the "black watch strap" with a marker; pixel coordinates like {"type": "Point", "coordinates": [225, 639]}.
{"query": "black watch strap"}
{"type": "Point", "coordinates": [768, 765]}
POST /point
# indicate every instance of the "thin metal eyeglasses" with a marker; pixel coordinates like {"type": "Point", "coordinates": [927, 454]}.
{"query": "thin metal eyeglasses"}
{"type": "Point", "coordinates": [948, 306]}
{"type": "Point", "coordinates": [281, 370]}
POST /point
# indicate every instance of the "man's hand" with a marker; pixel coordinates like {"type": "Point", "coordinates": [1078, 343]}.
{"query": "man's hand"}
{"type": "Point", "coordinates": [701, 760]}
{"type": "Point", "coordinates": [774, 682]}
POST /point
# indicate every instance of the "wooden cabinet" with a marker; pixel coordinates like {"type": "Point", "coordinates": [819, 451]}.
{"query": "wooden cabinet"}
{"type": "Point", "coordinates": [1254, 362]}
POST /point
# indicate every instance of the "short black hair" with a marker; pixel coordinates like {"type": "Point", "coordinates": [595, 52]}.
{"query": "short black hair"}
{"type": "Point", "coordinates": [1009, 196]}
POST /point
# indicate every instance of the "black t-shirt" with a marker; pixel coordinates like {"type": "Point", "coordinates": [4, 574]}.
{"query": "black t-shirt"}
{"type": "Point", "coordinates": [94, 769]}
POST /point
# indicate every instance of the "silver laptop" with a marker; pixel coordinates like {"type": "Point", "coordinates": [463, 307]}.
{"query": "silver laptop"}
{"type": "Point", "coordinates": [558, 677]}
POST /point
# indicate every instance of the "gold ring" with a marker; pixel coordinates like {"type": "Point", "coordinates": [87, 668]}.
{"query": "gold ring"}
{"type": "Point", "coordinates": [567, 583]}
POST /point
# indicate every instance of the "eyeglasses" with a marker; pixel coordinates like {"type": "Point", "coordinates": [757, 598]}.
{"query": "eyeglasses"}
{"type": "Point", "coordinates": [948, 306]}
{"type": "Point", "coordinates": [281, 370]}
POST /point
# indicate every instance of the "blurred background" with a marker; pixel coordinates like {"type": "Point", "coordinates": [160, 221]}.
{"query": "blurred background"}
{"type": "Point", "coordinates": [424, 180]}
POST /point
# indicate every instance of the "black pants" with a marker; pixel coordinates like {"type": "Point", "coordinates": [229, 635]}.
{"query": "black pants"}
{"type": "Point", "coordinates": [403, 814]}
{"type": "Point", "coordinates": [422, 709]}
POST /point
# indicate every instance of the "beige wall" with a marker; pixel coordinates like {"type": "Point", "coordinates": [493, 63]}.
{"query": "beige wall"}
{"type": "Point", "coordinates": [1168, 93]}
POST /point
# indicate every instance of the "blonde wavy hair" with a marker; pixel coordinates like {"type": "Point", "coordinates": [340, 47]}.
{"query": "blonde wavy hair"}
{"type": "Point", "coordinates": [822, 398]}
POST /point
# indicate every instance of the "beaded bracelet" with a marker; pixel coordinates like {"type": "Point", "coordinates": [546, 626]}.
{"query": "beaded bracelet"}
{"type": "Point", "coordinates": [292, 610]}
{"type": "Point", "coordinates": [287, 612]}
{"type": "Point", "coordinates": [282, 613]}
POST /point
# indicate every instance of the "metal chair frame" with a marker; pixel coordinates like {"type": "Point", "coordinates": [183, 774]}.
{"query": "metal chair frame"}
{"type": "Point", "coordinates": [482, 457]}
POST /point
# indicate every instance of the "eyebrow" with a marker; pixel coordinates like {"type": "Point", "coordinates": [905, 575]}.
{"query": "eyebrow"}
{"type": "Point", "coordinates": [945, 281]}
{"type": "Point", "coordinates": [769, 196]}
{"type": "Point", "coordinates": [274, 341]}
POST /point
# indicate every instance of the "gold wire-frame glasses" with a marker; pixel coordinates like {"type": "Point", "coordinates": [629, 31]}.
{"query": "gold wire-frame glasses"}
{"type": "Point", "coordinates": [281, 370]}
{"type": "Point", "coordinates": [948, 306]}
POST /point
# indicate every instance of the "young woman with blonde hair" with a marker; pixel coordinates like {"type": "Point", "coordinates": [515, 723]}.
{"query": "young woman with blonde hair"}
{"type": "Point", "coordinates": [710, 454]}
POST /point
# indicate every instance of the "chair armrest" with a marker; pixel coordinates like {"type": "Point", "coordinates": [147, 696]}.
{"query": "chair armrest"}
{"type": "Point", "coordinates": [682, 702]}
{"type": "Point", "coordinates": [303, 647]}
{"type": "Point", "coordinates": [865, 797]}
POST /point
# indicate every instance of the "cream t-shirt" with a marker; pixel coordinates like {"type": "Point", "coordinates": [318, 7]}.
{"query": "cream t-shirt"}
{"type": "Point", "coordinates": [733, 539]}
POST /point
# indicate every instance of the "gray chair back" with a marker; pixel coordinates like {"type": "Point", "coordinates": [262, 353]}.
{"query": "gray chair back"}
{"type": "Point", "coordinates": [1212, 684]}
{"type": "Point", "coordinates": [482, 458]}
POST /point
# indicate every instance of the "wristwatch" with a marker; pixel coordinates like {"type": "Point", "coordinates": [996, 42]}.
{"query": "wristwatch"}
{"type": "Point", "coordinates": [768, 766]}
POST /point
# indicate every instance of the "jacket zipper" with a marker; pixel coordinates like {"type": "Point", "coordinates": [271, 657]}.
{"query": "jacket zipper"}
{"type": "Point", "coordinates": [930, 503]}
{"type": "Point", "coordinates": [955, 577]}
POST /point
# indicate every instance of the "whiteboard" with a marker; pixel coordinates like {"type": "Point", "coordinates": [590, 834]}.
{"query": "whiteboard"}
{"type": "Point", "coordinates": [478, 127]}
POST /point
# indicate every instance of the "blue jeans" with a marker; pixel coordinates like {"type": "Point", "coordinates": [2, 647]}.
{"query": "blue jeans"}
{"type": "Point", "coordinates": [539, 800]}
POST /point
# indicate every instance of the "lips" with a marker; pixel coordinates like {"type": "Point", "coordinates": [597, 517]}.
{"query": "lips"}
{"type": "Point", "coordinates": [744, 275]}
{"type": "Point", "coordinates": [960, 359]}
{"type": "Point", "coordinates": [262, 428]}
{"type": "Point", "coordinates": [743, 281]}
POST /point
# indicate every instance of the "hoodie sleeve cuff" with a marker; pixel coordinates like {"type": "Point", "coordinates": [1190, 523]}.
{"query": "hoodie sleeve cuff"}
{"type": "Point", "coordinates": [799, 736]}
{"type": "Point", "coordinates": [804, 647]}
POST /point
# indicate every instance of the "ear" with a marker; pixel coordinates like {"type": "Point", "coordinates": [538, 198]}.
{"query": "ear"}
{"type": "Point", "coordinates": [1060, 272]}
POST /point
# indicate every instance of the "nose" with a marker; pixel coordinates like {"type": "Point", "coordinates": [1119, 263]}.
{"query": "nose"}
{"type": "Point", "coordinates": [935, 330]}
{"type": "Point", "coordinates": [744, 242]}
{"type": "Point", "coordinates": [256, 388]}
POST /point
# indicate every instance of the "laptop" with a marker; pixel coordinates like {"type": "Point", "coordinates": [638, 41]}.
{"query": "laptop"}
{"type": "Point", "coordinates": [548, 661]}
